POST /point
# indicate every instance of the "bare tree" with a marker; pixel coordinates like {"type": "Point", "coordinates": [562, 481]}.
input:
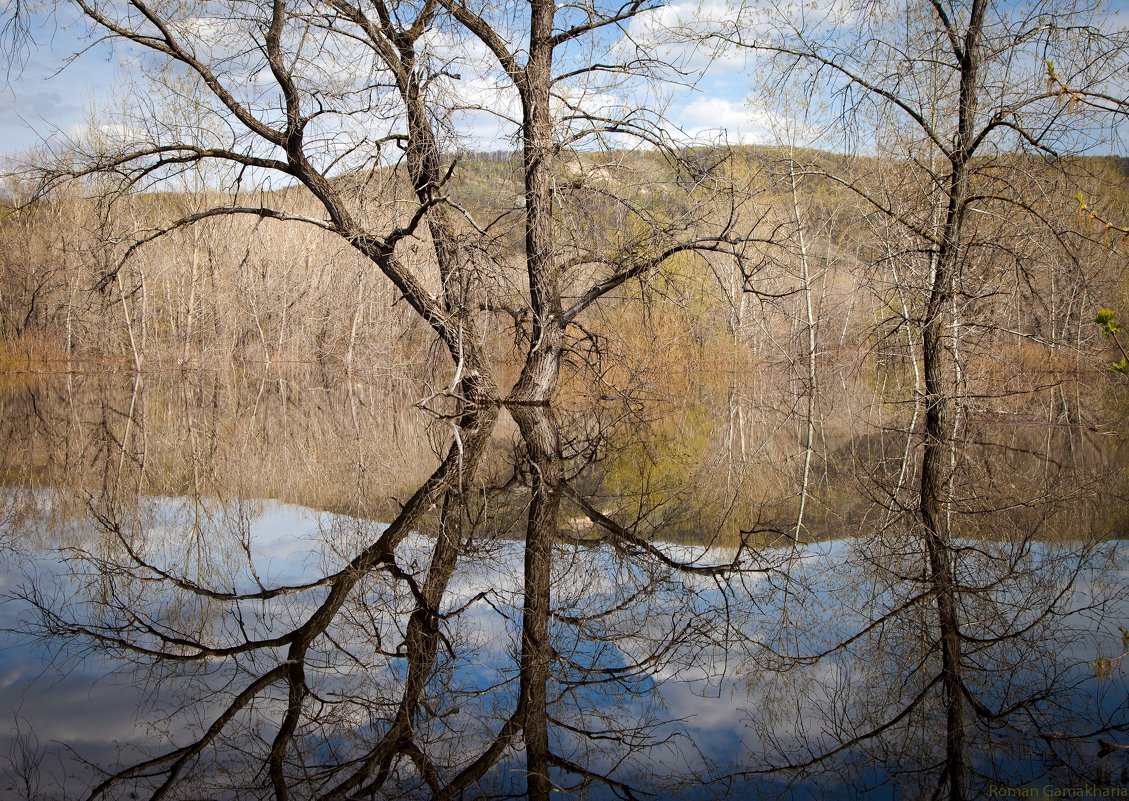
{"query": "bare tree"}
{"type": "Point", "coordinates": [346, 102]}
{"type": "Point", "coordinates": [953, 100]}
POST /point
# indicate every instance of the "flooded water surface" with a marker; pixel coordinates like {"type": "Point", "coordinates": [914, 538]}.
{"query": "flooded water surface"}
{"type": "Point", "coordinates": [231, 587]}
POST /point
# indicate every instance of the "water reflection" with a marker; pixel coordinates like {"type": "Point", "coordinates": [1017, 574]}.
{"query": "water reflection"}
{"type": "Point", "coordinates": [689, 600]}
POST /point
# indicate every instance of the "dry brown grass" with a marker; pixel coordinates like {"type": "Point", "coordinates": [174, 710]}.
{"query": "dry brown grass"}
{"type": "Point", "coordinates": [32, 353]}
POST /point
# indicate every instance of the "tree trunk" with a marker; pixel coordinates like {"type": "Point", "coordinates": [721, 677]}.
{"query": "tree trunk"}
{"type": "Point", "coordinates": [939, 405]}
{"type": "Point", "coordinates": [539, 376]}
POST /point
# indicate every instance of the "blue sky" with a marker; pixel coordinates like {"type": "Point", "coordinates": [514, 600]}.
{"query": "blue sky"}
{"type": "Point", "coordinates": [38, 101]}
{"type": "Point", "coordinates": [45, 97]}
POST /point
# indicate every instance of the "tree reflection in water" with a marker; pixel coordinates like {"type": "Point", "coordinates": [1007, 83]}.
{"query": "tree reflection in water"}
{"type": "Point", "coordinates": [565, 600]}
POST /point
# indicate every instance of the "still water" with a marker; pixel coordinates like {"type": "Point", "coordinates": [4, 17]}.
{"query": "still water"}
{"type": "Point", "coordinates": [230, 587]}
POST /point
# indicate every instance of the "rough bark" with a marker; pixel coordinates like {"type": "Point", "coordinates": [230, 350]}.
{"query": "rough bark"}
{"type": "Point", "coordinates": [539, 376]}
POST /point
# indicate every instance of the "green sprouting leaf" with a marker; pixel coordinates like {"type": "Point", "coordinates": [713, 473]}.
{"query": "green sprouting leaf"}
{"type": "Point", "coordinates": [1121, 366]}
{"type": "Point", "coordinates": [1107, 319]}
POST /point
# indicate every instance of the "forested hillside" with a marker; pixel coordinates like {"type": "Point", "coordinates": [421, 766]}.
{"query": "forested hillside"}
{"type": "Point", "coordinates": [88, 281]}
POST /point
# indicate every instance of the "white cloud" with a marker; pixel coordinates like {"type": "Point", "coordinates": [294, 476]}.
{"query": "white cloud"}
{"type": "Point", "coordinates": [714, 117]}
{"type": "Point", "coordinates": [103, 134]}
{"type": "Point", "coordinates": [681, 34]}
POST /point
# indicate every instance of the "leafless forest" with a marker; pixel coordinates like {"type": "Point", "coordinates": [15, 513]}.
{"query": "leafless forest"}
{"type": "Point", "coordinates": [820, 277]}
